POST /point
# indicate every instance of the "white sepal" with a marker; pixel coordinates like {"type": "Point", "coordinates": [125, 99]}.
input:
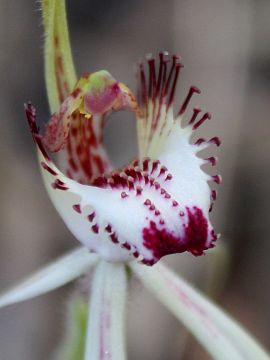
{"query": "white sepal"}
{"type": "Point", "coordinates": [52, 276]}
{"type": "Point", "coordinates": [106, 325]}
{"type": "Point", "coordinates": [222, 337]}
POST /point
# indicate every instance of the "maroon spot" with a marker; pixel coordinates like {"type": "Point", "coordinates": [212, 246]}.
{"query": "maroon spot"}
{"type": "Point", "coordinates": [58, 184]}
{"type": "Point", "coordinates": [91, 216]}
{"type": "Point", "coordinates": [108, 228]}
{"type": "Point", "coordinates": [114, 238]}
{"type": "Point", "coordinates": [77, 208]}
{"type": "Point", "coordinates": [157, 185]}
{"type": "Point", "coordinates": [148, 262]}
{"type": "Point", "coordinates": [95, 228]}
{"type": "Point", "coordinates": [124, 195]}
{"type": "Point", "coordinates": [126, 246]}
{"type": "Point", "coordinates": [48, 168]}
{"type": "Point", "coordinates": [168, 177]}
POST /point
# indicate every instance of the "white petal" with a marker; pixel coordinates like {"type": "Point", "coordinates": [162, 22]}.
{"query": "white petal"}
{"type": "Point", "coordinates": [222, 337]}
{"type": "Point", "coordinates": [106, 331]}
{"type": "Point", "coordinates": [52, 276]}
{"type": "Point", "coordinates": [119, 224]}
{"type": "Point", "coordinates": [133, 213]}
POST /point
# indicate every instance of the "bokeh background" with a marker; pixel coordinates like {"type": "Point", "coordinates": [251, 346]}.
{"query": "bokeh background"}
{"type": "Point", "coordinates": [226, 52]}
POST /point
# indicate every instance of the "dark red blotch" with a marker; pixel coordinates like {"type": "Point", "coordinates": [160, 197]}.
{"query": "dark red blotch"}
{"type": "Point", "coordinates": [162, 242]}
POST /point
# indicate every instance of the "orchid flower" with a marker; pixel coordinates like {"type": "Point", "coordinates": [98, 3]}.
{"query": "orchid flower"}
{"type": "Point", "coordinates": [131, 217]}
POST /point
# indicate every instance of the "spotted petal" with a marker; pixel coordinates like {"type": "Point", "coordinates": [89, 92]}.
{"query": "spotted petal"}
{"type": "Point", "coordinates": [222, 337]}
{"type": "Point", "coordinates": [52, 276]}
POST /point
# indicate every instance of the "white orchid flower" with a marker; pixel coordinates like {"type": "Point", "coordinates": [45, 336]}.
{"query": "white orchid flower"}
{"type": "Point", "coordinates": [156, 205]}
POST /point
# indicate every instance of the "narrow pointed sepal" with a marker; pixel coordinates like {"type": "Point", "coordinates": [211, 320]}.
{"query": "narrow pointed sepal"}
{"type": "Point", "coordinates": [106, 325]}
{"type": "Point", "coordinates": [59, 68]}
{"type": "Point", "coordinates": [221, 336]}
{"type": "Point", "coordinates": [52, 276]}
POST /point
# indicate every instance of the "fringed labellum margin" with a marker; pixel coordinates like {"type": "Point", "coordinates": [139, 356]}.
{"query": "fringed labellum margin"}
{"type": "Point", "coordinates": [158, 204]}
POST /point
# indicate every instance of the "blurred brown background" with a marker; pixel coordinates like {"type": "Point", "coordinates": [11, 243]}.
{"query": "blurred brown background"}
{"type": "Point", "coordinates": [226, 52]}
